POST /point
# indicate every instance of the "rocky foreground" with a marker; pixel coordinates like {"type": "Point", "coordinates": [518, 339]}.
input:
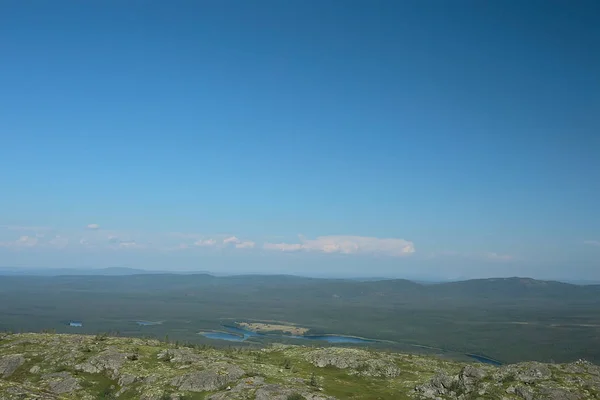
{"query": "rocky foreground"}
{"type": "Point", "coordinates": [52, 366]}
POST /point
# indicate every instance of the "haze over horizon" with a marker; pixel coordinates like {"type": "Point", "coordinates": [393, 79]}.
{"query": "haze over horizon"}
{"type": "Point", "coordinates": [340, 138]}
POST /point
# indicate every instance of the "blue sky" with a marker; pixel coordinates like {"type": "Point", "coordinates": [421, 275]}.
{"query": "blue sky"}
{"type": "Point", "coordinates": [414, 138]}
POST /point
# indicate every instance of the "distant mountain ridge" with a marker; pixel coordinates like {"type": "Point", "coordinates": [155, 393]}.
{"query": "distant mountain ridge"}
{"type": "Point", "coordinates": [111, 271]}
{"type": "Point", "coordinates": [395, 291]}
{"type": "Point", "coordinates": [125, 271]}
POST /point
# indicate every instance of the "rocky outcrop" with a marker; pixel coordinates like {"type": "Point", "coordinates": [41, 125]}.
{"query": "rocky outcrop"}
{"type": "Point", "coordinates": [182, 356]}
{"type": "Point", "coordinates": [523, 392]}
{"type": "Point", "coordinates": [274, 392]}
{"type": "Point", "coordinates": [527, 372]}
{"type": "Point", "coordinates": [527, 381]}
{"type": "Point", "coordinates": [441, 384]}
{"type": "Point", "coordinates": [61, 382]}
{"type": "Point", "coordinates": [213, 378]}
{"type": "Point", "coordinates": [469, 377]}
{"type": "Point", "coordinates": [278, 392]}
{"type": "Point", "coordinates": [240, 390]}
{"type": "Point", "coordinates": [127, 379]}
{"type": "Point", "coordinates": [10, 363]}
{"type": "Point", "coordinates": [550, 393]}
{"type": "Point", "coordinates": [110, 360]}
{"type": "Point", "coordinates": [359, 362]}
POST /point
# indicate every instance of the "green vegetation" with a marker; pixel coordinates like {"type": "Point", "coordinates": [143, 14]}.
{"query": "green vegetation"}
{"type": "Point", "coordinates": [313, 380]}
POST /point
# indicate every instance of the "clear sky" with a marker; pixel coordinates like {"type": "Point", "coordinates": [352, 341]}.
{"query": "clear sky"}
{"type": "Point", "coordinates": [391, 138]}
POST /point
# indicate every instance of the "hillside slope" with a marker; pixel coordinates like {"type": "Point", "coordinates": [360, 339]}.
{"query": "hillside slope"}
{"type": "Point", "coordinates": [53, 366]}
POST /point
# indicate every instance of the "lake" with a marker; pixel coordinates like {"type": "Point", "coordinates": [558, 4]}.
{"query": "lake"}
{"type": "Point", "coordinates": [148, 323]}
{"type": "Point", "coordinates": [485, 360]}
{"type": "Point", "coordinates": [337, 339]}
{"type": "Point", "coordinates": [236, 334]}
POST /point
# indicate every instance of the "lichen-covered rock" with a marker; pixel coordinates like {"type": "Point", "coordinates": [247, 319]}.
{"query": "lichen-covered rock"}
{"type": "Point", "coordinates": [10, 363]}
{"type": "Point", "coordinates": [469, 377]}
{"type": "Point", "coordinates": [212, 378]}
{"type": "Point", "coordinates": [441, 384]}
{"type": "Point", "coordinates": [274, 392]}
{"type": "Point", "coordinates": [361, 362]}
{"type": "Point", "coordinates": [245, 388]}
{"type": "Point", "coordinates": [184, 356]}
{"type": "Point", "coordinates": [17, 391]}
{"type": "Point", "coordinates": [110, 359]}
{"type": "Point", "coordinates": [533, 372]}
{"type": "Point", "coordinates": [61, 382]}
{"type": "Point", "coordinates": [524, 393]}
{"type": "Point", "coordinates": [550, 393]}
{"type": "Point", "coordinates": [127, 379]}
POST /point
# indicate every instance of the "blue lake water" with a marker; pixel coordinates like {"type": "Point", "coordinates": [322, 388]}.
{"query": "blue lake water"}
{"type": "Point", "coordinates": [241, 331]}
{"type": "Point", "coordinates": [484, 360]}
{"type": "Point", "coordinates": [337, 339]}
{"type": "Point", "coordinates": [147, 323]}
{"type": "Point", "coordinates": [224, 336]}
{"type": "Point", "coordinates": [235, 334]}
{"type": "Point", "coordinates": [239, 335]}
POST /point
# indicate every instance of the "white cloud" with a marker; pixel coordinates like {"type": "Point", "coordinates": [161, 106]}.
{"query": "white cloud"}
{"type": "Point", "coordinates": [498, 257]}
{"type": "Point", "coordinates": [491, 256]}
{"type": "Point", "coordinates": [231, 239]}
{"type": "Point", "coordinates": [183, 235]}
{"type": "Point", "coordinates": [130, 244]}
{"type": "Point", "coordinates": [96, 238]}
{"type": "Point", "coordinates": [115, 242]}
{"type": "Point", "coordinates": [348, 245]}
{"type": "Point", "coordinates": [245, 245]}
{"type": "Point", "coordinates": [22, 242]}
{"type": "Point", "coordinates": [282, 246]}
{"type": "Point", "coordinates": [592, 242]}
{"type": "Point", "coordinates": [206, 242]}
{"type": "Point", "coordinates": [25, 228]}
{"type": "Point", "coordinates": [59, 242]}
{"type": "Point", "coordinates": [27, 241]}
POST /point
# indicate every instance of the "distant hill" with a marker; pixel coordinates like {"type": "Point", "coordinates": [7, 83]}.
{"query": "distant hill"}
{"type": "Point", "coordinates": [110, 271]}
{"type": "Point", "coordinates": [71, 271]}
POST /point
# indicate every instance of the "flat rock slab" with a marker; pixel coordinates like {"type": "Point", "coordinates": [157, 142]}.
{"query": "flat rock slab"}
{"type": "Point", "coordinates": [209, 379]}
{"type": "Point", "coordinates": [10, 363]}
